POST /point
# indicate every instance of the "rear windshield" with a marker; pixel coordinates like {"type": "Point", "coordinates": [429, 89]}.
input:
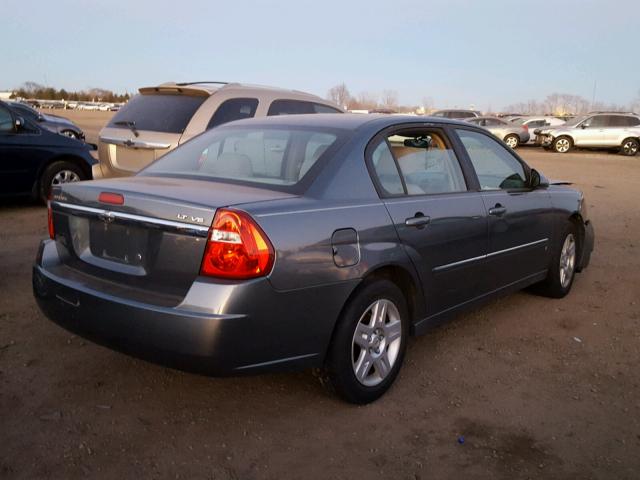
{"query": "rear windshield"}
{"type": "Point", "coordinates": [158, 113]}
{"type": "Point", "coordinates": [280, 157]}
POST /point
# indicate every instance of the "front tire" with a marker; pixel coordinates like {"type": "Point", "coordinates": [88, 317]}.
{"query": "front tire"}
{"type": "Point", "coordinates": [563, 265]}
{"type": "Point", "coordinates": [369, 343]}
{"type": "Point", "coordinates": [58, 173]}
{"type": "Point", "coordinates": [512, 141]}
{"type": "Point", "coordinates": [70, 134]}
{"type": "Point", "coordinates": [562, 144]}
{"type": "Point", "coordinates": [630, 147]}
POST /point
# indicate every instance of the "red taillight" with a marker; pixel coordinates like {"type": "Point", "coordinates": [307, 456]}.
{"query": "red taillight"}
{"type": "Point", "coordinates": [237, 247]}
{"type": "Point", "coordinates": [525, 127]}
{"type": "Point", "coordinates": [112, 198]}
{"type": "Point", "coordinates": [52, 230]}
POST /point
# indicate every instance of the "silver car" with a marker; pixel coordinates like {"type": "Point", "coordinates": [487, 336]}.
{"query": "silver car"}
{"type": "Point", "coordinates": [456, 114]}
{"type": "Point", "coordinates": [610, 130]}
{"type": "Point", "coordinates": [512, 135]}
{"type": "Point", "coordinates": [534, 123]}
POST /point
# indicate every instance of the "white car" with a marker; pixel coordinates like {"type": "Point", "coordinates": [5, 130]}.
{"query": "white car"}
{"type": "Point", "coordinates": [533, 123]}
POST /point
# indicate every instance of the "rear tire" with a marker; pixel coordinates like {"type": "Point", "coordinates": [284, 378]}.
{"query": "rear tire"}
{"type": "Point", "coordinates": [630, 147]}
{"type": "Point", "coordinates": [564, 261]}
{"type": "Point", "coordinates": [369, 343]}
{"type": "Point", "coordinates": [562, 145]}
{"type": "Point", "coordinates": [58, 173]}
{"type": "Point", "coordinates": [512, 141]}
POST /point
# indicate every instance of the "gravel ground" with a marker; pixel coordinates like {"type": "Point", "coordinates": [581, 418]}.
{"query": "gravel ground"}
{"type": "Point", "coordinates": [536, 388]}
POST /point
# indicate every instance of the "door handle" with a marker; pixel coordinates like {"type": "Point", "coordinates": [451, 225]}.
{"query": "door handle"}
{"type": "Point", "coordinates": [418, 221]}
{"type": "Point", "coordinates": [498, 210]}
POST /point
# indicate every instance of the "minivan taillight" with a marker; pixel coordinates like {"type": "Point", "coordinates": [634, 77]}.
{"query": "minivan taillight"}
{"type": "Point", "coordinates": [237, 247]}
{"type": "Point", "coordinates": [52, 231]}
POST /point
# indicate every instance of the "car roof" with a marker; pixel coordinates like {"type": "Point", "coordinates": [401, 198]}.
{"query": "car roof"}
{"type": "Point", "coordinates": [346, 121]}
{"type": "Point", "coordinates": [487, 118]}
{"type": "Point", "coordinates": [207, 88]}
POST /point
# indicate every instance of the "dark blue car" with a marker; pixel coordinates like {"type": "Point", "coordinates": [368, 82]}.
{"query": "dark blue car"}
{"type": "Point", "coordinates": [32, 158]}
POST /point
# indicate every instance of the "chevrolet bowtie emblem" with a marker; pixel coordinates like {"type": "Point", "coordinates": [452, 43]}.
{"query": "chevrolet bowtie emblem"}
{"type": "Point", "coordinates": [107, 217]}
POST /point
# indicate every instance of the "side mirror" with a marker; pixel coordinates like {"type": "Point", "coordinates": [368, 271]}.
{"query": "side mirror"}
{"type": "Point", "coordinates": [536, 180]}
{"type": "Point", "coordinates": [18, 123]}
{"type": "Point", "coordinates": [583, 126]}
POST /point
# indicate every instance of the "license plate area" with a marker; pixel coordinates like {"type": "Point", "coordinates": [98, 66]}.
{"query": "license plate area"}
{"type": "Point", "coordinates": [124, 244]}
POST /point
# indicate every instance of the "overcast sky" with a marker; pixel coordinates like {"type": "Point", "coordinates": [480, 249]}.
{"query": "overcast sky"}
{"type": "Point", "coordinates": [487, 53]}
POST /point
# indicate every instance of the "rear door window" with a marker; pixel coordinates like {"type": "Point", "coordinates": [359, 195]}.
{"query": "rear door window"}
{"type": "Point", "coordinates": [233, 109]}
{"type": "Point", "coordinates": [624, 121]}
{"type": "Point", "coordinates": [158, 113]}
{"type": "Point", "coordinates": [320, 108]}
{"type": "Point", "coordinates": [290, 107]}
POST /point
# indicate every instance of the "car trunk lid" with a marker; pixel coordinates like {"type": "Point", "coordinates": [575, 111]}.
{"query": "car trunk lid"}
{"type": "Point", "coordinates": [153, 240]}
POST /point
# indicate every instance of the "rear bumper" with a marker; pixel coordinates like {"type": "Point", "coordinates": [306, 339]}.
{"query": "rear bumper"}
{"type": "Point", "coordinates": [218, 329]}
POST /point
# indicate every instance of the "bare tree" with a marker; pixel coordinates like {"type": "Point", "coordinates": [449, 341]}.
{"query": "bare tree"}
{"type": "Point", "coordinates": [390, 99]}
{"type": "Point", "coordinates": [339, 94]}
{"type": "Point", "coordinates": [364, 101]}
{"type": "Point", "coordinates": [427, 104]}
{"type": "Point", "coordinates": [635, 104]}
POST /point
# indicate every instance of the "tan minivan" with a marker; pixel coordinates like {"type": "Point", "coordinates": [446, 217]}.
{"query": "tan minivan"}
{"type": "Point", "coordinates": [161, 118]}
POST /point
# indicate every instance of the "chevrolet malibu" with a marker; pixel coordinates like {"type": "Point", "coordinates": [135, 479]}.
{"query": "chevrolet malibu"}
{"type": "Point", "coordinates": [306, 241]}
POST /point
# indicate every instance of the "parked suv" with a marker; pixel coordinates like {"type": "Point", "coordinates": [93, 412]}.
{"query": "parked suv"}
{"type": "Point", "coordinates": [621, 131]}
{"type": "Point", "coordinates": [163, 117]}
{"type": "Point", "coordinates": [456, 114]}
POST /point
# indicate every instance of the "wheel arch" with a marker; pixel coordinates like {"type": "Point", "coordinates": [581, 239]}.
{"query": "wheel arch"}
{"type": "Point", "coordinates": [576, 219]}
{"type": "Point", "coordinates": [63, 157]}
{"type": "Point", "coordinates": [403, 277]}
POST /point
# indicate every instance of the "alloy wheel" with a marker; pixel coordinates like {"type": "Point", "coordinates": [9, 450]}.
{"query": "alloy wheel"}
{"type": "Point", "coordinates": [70, 134]}
{"type": "Point", "coordinates": [511, 141]}
{"type": "Point", "coordinates": [630, 147]}
{"type": "Point", "coordinates": [562, 145]}
{"type": "Point", "coordinates": [567, 260]}
{"type": "Point", "coordinates": [65, 176]}
{"type": "Point", "coordinates": [376, 342]}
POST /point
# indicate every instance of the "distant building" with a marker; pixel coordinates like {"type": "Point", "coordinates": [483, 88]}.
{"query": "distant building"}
{"type": "Point", "coordinates": [5, 95]}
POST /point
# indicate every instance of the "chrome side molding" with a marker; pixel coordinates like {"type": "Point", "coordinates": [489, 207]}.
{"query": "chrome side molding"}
{"type": "Point", "coordinates": [135, 143]}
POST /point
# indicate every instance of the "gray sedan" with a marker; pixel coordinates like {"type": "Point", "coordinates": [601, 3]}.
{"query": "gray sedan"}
{"type": "Point", "coordinates": [512, 134]}
{"type": "Point", "coordinates": [310, 241]}
{"type": "Point", "coordinates": [53, 123]}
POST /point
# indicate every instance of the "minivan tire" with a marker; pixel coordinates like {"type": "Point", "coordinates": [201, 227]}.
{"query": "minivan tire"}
{"type": "Point", "coordinates": [346, 350]}
{"type": "Point", "coordinates": [61, 171]}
